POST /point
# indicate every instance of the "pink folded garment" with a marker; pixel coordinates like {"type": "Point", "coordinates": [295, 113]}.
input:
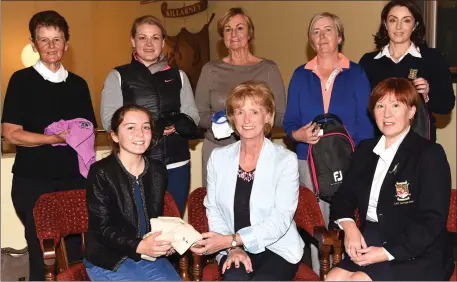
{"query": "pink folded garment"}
{"type": "Point", "coordinates": [81, 138]}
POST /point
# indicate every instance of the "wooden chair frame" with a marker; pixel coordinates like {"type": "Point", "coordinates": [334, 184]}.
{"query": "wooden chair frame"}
{"type": "Point", "coordinates": [318, 232]}
{"type": "Point", "coordinates": [52, 236]}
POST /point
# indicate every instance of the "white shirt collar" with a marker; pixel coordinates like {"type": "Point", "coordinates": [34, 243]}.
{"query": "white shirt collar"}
{"type": "Point", "coordinates": [413, 50]}
{"type": "Point", "coordinates": [381, 150]}
{"type": "Point", "coordinates": [59, 76]}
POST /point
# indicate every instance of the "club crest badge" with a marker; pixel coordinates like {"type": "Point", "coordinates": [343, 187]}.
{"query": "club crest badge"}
{"type": "Point", "coordinates": [412, 74]}
{"type": "Point", "coordinates": [84, 125]}
{"type": "Point", "coordinates": [402, 190]}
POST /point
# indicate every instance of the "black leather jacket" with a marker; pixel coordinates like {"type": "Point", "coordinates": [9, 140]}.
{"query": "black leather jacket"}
{"type": "Point", "coordinates": [114, 230]}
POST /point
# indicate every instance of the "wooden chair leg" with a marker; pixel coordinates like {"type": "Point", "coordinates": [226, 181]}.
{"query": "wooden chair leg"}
{"type": "Point", "coordinates": [184, 267]}
{"type": "Point", "coordinates": [325, 242]}
{"type": "Point", "coordinates": [324, 260]}
{"type": "Point", "coordinates": [62, 256]}
{"type": "Point", "coordinates": [197, 268]}
{"type": "Point", "coordinates": [337, 247]}
{"type": "Point", "coordinates": [49, 256]}
{"type": "Point", "coordinates": [49, 269]}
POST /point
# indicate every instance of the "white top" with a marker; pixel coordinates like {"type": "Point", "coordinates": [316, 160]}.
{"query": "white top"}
{"type": "Point", "coordinates": [386, 156]}
{"type": "Point", "coordinates": [413, 50]}
{"type": "Point", "coordinates": [56, 77]}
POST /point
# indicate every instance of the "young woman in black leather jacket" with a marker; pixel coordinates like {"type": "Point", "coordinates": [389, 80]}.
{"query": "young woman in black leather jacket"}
{"type": "Point", "coordinates": [125, 190]}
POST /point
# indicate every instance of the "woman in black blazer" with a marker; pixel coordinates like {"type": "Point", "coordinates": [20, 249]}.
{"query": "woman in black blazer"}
{"type": "Point", "coordinates": [401, 185]}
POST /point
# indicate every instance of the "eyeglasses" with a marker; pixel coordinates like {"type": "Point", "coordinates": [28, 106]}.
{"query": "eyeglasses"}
{"type": "Point", "coordinates": [58, 41]}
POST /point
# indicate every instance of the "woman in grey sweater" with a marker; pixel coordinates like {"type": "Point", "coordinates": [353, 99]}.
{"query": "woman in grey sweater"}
{"type": "Point", "coordinates": [219, 77]}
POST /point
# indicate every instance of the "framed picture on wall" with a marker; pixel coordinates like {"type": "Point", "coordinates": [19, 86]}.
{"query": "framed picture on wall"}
{"type": "Point", "coordinates": [441, 22]}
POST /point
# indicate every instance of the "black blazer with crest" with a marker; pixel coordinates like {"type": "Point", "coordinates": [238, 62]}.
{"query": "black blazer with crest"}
{"type": "Point", "coordinates": [413, 227]}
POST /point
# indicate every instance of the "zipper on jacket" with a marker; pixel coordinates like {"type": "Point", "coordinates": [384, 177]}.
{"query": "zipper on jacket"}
{"type": "Point", "coordinates": [137, 209]}
{"type": "Point", "coordinates": [145, 210]}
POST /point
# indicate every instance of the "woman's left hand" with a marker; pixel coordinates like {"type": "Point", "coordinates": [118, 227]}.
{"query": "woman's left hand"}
{"type": "Point", "coordinates": [236, 257]}
{"type": "Point", "coordinates": [212, 242]}
{"type": "Point", "coordinates": [370, 255]}
{"type": "Point", "coordinates": [422, 87]}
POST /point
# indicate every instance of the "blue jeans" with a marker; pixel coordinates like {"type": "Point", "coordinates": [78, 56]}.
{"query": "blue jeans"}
{"type": "Point", "coordinates": [179, 184]}
{"type": "Point", "coordinates": [130, 270]}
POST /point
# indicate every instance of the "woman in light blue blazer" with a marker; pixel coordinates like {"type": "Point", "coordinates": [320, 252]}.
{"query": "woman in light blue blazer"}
{"type": "Point", "coordinates": [252, 195]}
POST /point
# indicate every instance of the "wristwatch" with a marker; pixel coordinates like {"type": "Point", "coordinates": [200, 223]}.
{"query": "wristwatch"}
{"type": "Point", "coordinates": [234, 244]}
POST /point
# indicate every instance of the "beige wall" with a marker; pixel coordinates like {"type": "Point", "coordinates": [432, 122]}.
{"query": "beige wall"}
{"type": "Point", "coordinates": [99, 32]}
{"type": "Point", "coordinates": [100, 40]}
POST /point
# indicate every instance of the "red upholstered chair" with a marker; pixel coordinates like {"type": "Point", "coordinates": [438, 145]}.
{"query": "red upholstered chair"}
{"type": "Point", "coordinates": [452, 226]}
{"type": "Point", "coordinates": [308, 217]}
{"type": "Point", "coordinates": [60, 214]}
{"type": "Point", "coordinates": [452, 218]}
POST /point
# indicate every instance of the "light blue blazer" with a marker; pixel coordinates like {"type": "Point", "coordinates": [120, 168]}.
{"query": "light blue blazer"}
{"type": "Point", "coordinates": [273, 202]}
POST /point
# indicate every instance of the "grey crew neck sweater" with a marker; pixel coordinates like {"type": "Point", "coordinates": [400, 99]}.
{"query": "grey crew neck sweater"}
{"type": "Point", "coordinates": [218, 78]}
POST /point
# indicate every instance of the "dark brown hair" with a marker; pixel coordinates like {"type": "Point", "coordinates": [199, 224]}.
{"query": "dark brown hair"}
{"type": "Point", "coordinates": [401, 88]}
{"type": "Point", "coordinates": [48, 19]}
{"type": "Point", "coordinates": [259, 92]}
{"type": "Point", "coordinates": [148, 19]}
{"type": "Point", "coordinates": [381, 38]}
{"type": "Point", "coordinates": [230, 14]}
{"type": "Point", "coordinates": [118, 118]}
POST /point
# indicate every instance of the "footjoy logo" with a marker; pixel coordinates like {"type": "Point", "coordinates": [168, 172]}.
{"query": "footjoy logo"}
{"type": "Point", "coordinates": [338, 175]}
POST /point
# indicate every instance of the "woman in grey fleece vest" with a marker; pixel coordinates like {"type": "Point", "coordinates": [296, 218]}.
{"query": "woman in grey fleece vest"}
{"type": "Point", "coordinates": [219, 77]}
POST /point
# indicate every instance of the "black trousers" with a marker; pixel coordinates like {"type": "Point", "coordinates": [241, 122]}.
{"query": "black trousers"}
{"type": "Point", "coordinates": [25, 193]}
{"type": "Point", "coordinates": [266, 266]}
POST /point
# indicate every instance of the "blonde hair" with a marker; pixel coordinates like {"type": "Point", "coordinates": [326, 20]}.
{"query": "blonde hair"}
{"type": "Point", "coordinates": [148, 19]}
{"type": "Point", "coordinates": [231, 13]}
{"type": "Point", "coordinates": [337, 23]}
{"type": "Point", "coordinates": [259, 92]}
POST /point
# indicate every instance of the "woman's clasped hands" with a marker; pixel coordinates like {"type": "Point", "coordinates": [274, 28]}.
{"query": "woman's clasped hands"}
{"type": "Point", "coordinates": [357, 248]}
